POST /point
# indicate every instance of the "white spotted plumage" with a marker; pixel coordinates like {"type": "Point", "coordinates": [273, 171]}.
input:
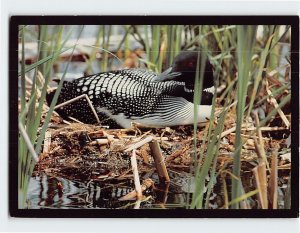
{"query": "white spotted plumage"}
{"type": "Point", "coordinates": [130, 95]}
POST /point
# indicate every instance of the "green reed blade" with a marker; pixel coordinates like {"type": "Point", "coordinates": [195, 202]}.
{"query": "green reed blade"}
{"type": "Point", "coordinates": [245, 42]}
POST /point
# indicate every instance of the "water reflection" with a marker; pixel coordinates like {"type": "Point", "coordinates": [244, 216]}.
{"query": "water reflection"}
{"type": "Point", "coordinates": [55, 192]}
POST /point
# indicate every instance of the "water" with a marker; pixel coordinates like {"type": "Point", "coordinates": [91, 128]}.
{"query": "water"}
{"type": "Point", "coordinates": [46, 192]}
{"type": "Point", "coordinates": [55, 192]}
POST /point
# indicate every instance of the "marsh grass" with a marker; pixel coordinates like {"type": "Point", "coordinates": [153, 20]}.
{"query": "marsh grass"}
{"type": "Point", "coordinates": [231, 49]}
{"type": "Point", "coordinates": [30, 116]}
{"type": "Point", "coordinates": [243, 40]}
{"type": "Point", "coordinates": [246, 36]}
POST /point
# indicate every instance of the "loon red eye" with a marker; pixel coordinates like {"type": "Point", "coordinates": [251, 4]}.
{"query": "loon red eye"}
{"type": "Point", "coordinates": [190, 64]}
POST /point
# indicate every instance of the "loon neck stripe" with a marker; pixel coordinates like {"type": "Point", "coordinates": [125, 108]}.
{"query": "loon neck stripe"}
{"type": "Point", "coordinates": [188, 90]}
{"type": "Point", "coordinates": [209, 89]}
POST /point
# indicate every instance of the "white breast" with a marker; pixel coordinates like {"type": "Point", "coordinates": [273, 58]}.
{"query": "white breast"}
{"type": "Point", "coordinates": [171, 112]}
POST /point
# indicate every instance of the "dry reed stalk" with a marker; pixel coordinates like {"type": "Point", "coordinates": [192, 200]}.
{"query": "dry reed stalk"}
{"type": "Point", "coordinates": [135, 172]}
{"type": "Point", "coordinates": [74, 119]}
{"type": "Point", "coordinates": [28, 93]}
{"type": "Point", "coordinates": [266, 128]}
{"type": "Point", "coordinates": [261, 184]}
{"type": "Point", "coordinates": [259, 149]}
{"type": "Point", "coordinates": [77, 98]}
{"type": "Point", "coordinates": [273, 186]}
{"type": "Point", "coordinates": [67, 122]}
{"type": "Point", "coordinates": [177, 153]}
{"type": "Point", "coordinates": [259, 144]}
{"type": "Point", "coordinates": [41, 79]}
{"type": "Point", "coordinates": [280, 112]}
{"type": "Point", "coordinates": [264, 186]}
{"type": "Point", "coordinates": [284, 167]}
{"type": "Point", "coordinates": [137, 204]}
{"type": "Point", "coordinates": [108, 136]}
{"type": "Point", "coordinates": [161, 138]}
{"type": "Point", "coordinates": [286, 156]}
{"type": "Point", "coordinates": [132, 195]}
{"type": "Point", "coordinates": [144, 156]}
{"type": "Point", "coordinates": [244, 204]}
{"type": "Point", "coordinates": [102, 141]}
{"type": "Point", "coordinates": [139, 144]}
{"type": "Point", "coordinates": [229, 131]}
{"type": "Point", "coordinates": [47, 142]}
{"type": "Point", "coordinates": [156, 138]}
{"type": "Point", "coordinates": [165, 190]}
{"type": "Point", "coordinates": [226, 205]}
{"type": "Point", "coordinates": [251, 136]}
{"type": "Point", "coordinates": [96, 134]}
{"type": "Point", "coordinates": [219, 110]}
{"type": "Point", "coordinates": [159, 162]}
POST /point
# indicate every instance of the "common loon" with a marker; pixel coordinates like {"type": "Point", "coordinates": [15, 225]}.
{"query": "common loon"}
{"type": "Point", "coordinates": [141, 96]}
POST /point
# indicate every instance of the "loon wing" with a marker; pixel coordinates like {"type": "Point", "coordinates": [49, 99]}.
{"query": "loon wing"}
{"type": "Point", "coordinates": [122, 95]}
{"type": "Point", "coordinates": [119, 92]}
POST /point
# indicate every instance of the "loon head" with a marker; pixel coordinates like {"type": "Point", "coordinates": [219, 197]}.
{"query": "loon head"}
{"type": "Point", "coordinates": [183, 69]}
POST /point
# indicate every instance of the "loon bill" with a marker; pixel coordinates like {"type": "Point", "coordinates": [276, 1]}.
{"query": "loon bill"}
{"type": "Point", "coordinates": [141, 96]}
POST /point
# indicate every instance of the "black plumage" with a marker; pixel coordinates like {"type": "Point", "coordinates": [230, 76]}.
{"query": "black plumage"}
{"type": "Point", "coordinates": [136, 95]}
